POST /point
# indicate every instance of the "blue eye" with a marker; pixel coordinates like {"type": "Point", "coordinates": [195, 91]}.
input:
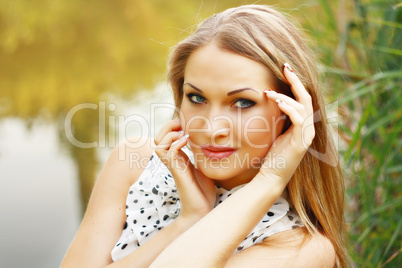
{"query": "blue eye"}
{"type": "Point", "coordinates": [194, 98]}
{"type": "Point", "coordinates": [243, 103]}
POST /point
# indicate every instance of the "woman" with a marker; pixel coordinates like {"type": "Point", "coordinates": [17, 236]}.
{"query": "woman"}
{"type": "Point", "coordinates": [246, 194]}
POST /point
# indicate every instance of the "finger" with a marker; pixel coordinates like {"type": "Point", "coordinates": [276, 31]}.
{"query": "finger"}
{"type": "Point", "coordinates": [172, 125]}
{"type": "Point", "coordinates": [295, 117]}
{"type": "Point", "coordinates": [180, 142]}
{"type": "Point", "coordinates": [177, 145]}
{"type": "Point", "coordinates": [303, 129]}
{"type": "Point", "coordinates": [163, 148]}
{"type": "Point", "coordinates": [272, 95]}
{"type": "Point", "coordinates": [169, 139]}
{"type": "Point", "coordinates": [296, 85]}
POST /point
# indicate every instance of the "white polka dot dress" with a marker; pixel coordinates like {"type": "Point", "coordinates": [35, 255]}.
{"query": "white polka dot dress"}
{"type": "Point", "coordinates": [153, 202]}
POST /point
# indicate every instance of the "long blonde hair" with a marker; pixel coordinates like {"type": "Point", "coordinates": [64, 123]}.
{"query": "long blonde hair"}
{"type": "Point", "coordinates": [266, 36]}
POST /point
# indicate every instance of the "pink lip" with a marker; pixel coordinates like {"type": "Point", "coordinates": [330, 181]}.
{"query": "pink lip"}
{"type": "Point", "coordinates": [217, 152]}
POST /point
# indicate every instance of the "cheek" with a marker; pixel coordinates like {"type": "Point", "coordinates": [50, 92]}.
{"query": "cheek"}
{"type": "Point", "coordinates": [192, 123]}
{"type": "Point", "coordinates": [260, 131]}
{"type": "Point", "coordinates": [257, 132]}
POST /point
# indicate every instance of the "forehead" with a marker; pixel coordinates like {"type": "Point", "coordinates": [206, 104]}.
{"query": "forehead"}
{"type": "Point", "coordinates": [210, 67]}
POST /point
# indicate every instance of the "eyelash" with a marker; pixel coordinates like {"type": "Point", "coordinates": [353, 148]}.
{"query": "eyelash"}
{"type": "Point", "coordinates": [191, 95]}
{"type": "Point", "coordinates": [250, 103]}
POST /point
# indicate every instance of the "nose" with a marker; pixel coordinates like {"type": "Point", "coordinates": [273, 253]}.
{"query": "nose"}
{"type": "Point", "coordinates": [220, 126]}
{"type": "Point", "coordinates": [210, 126]}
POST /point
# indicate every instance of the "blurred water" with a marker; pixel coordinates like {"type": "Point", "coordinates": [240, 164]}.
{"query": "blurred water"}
{"type": "Point", "coordinates": [39, 200]}
{"type": "Point", "coordinates": [39, 194]}
{"type": "Point", "coordinates": [54, 56]}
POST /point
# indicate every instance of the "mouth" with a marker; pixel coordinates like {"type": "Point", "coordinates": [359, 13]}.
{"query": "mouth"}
{"type": "Point", "coordinates": [217, 152]}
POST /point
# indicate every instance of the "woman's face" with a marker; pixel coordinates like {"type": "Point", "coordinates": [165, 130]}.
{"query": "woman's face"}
{"type": "Point", "coordinates": [230, 121]}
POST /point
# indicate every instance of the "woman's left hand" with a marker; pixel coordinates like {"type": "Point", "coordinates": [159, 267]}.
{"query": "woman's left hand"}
{"type": "Point", "coordinates": [289, 148]}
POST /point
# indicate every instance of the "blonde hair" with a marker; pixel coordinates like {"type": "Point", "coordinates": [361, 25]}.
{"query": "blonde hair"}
{"type": "Point", "coordinates": [266, 36]}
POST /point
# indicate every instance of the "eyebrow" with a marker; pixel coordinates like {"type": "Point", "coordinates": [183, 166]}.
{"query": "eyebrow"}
{"type": "Point", "coordinates": [240, 90]}
{"type": "Point", "coordinates": [229, 93]}
{"type": "Point", "coordinates": [196, 88]}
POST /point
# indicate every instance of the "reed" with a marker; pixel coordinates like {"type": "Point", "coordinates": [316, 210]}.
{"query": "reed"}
{"type": "Point", "coordinates": [360, 46]}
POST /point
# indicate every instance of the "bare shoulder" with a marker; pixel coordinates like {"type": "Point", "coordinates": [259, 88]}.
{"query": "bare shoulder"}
{"type": "Point", "coordinates": [129, 158]}
{"type": "Point", "coordinates": [320, 251]}
{"type": "Point", "coordinates": [293, 248]}
{"type": "Point", "coordinates": [105, 216]}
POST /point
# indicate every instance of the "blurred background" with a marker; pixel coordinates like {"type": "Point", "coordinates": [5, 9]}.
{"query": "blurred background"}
{"type": "Point", "coordinates": [89, 71]}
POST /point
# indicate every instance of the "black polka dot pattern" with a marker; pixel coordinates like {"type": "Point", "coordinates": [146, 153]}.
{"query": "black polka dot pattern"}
{"type": "Point", "coordinates": [153, 202]}
{"type": "Point", "coordinates": [274, 220]}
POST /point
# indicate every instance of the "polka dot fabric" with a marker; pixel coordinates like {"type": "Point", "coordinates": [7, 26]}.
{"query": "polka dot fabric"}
{"type": "Point", "coordinates": [153, 203]}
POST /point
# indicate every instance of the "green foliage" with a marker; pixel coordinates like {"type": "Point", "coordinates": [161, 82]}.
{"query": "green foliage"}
{"type": "Point", "coordinates": [363, 73]}
{"type": "Point", "coordinates": [55, 54]}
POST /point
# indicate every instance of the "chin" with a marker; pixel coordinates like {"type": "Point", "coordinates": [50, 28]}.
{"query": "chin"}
{"type": "Point", "coordinates": [227, 176]}
{"type": "Point", "coordinates": [218, 173]}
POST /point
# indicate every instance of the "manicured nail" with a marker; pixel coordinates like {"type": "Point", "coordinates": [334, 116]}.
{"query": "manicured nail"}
{"type": "Point", "coordinates": [288, 67]}
{"type": "Point", "coordinates": [185, 137]}
{"type": "Point", "coordinates": [179, 140]}
{"type": "Point", "coordinates": [270, 92]}
{"type": "Point", "coordinates": [279, 100]}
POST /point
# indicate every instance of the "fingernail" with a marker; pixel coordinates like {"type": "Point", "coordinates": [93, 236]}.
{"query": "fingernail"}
{"type": "Point", "coordinates": [287, 66]}
{"type": "Point", "coordinates": [279, 100]}
{"type": "Point", "coordinates": [269, 91]}
{"type": "Point", "coordinates": [181, 132]}
{"type": "Point", "coordinates": [185, 137]}
{"type": "Point", "coordinates": [179, 140]}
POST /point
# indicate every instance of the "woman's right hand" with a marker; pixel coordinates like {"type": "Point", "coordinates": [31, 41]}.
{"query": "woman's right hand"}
{"type": "Point", "coordinates": [196, 191]}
